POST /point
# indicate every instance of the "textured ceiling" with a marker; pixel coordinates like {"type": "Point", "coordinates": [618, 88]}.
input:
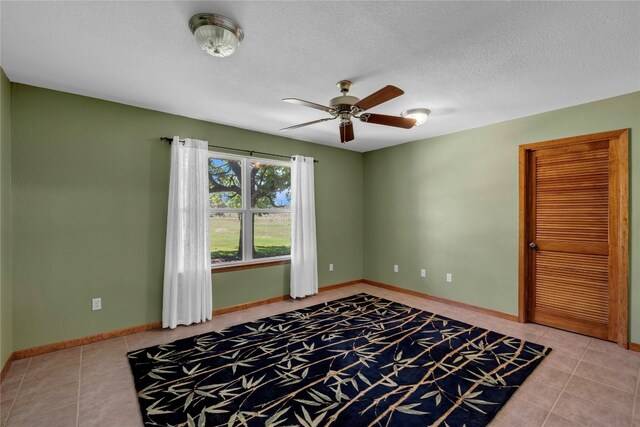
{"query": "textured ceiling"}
{"type": "Point", "coordinates": [471, 63]}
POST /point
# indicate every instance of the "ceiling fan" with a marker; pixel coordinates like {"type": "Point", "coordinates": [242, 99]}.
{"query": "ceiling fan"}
{"type": "Point", "coordinates": [347, 107]}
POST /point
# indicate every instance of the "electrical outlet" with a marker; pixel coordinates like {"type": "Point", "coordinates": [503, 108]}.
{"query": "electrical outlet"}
{"type": "Point", "coordinates": [423, 272]}
{"type": "Point", "coordinates": [395, 268]}
{"type": "Point", "coordinates": [449, 277]}
{"type": "Point", "coordinates": [330, 267]}
{"type": "Point", "coordinates": [96, 304]}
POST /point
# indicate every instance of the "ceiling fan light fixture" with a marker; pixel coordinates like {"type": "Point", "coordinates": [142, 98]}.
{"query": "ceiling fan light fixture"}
{"type": "Point", "coordinates": [347, 107]}
{"type": "Point", "coordinates": [217, 35]}
{"type": "Point", "coordinates": [419, 114]}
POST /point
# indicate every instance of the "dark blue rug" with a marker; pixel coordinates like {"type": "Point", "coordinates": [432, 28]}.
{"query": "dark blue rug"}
{"type": "Point", "coordinates": [356, 361]}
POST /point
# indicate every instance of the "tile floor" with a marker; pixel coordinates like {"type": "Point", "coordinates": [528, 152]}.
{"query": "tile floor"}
{"type": "Point", "coordinates": [584, 382]}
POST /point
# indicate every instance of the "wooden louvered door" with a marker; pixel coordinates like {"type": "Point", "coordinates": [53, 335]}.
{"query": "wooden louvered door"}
{"type": "Point", "coordinates": [574, 245]}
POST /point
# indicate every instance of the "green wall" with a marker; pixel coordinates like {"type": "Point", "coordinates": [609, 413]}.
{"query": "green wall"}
{"type": "Point", "coordinates": [6, 297]}
{"type": "Point", "coordinates": [450, 204]}
{"type": "Point", "coordinates": [90, 182]}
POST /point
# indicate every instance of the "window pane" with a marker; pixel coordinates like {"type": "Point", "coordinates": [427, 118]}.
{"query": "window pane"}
{"type": "Point", "coordinates": [226, 237]}
{"type": "Point", "coordinates": [225, 179]}
{"type": "Point", "coordinates": [270, 186]}
{"type": "Point", "coordinates": [271, 234]}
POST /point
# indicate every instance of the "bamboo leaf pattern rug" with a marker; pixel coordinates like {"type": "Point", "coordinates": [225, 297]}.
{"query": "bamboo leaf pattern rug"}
{"type": "Point", "coordinates": [356, 361]}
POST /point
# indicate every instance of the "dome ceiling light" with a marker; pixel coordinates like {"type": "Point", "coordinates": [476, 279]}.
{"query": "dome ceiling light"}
{"type": "Point", "coordinates": [419, 114]}
{"type": "Point", "coordinates": [216, 34]}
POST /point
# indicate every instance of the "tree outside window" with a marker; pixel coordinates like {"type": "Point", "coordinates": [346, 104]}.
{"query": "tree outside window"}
{"type": "Point", "coordinates": [250, 203]}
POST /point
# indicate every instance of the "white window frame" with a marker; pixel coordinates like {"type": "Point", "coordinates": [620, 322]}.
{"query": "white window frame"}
{"type": "Point", "coordinates": [247, 211]}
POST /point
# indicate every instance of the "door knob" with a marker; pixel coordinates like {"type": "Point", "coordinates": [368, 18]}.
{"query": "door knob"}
{"type": "Point", "coordinates": [533, 245]}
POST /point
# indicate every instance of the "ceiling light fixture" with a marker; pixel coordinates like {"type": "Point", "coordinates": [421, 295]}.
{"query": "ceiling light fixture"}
{"type": "Point", "coordinates": [420, 114]}
{"type": "Point", "coordinates": [216, 34]}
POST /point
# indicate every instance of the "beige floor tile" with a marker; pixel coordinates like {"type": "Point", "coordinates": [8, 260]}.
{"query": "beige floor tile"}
{"type": "Point", "coordinates": [495, 326]}
{"type": "Point", "coordinates": [9, 390]}
{"type": "Point", "coordinates": [501, 324]}
{"type": "Point", "coordinates": [557, 421]}
{"type": "Point", "coordinates": [105, 359]}
{"type": "Point", "coordinates": [17, 369]}
{"type": "Point", "coordinates": [588, 413]}
{"type": "Point", "coordinates": [612, 348]}
{"type": "Point", "coordinates": [561, 361]}
{"type": "Point", "coordinates": [101, 407]}
{"type": "Point", "coordinates": [539, 393]}
{"type": "Point", "coordinates": [521, 334]}
{"type": "Point", "coordinates": [465, 318]}
{"type": "Point", "coordinates": [531, 329]}
{"type": "Point", "coordinates": [637, 408]}
{"type": "Point", "coordinates": [501, 420]}
{"type": "Point", "coordinates": [181, 332]}
{"type": "Point", "coordinates": [550, 376]}
{"type": "Point", "coordinates": [509, 419]}
{"type": "Point", "coordinates": [53, 360]}
{"type": "Point", "coordinates": [11, 384]}
{"type": "Point", "coordinates": [625, 362]}
{"type": "Point", "coordinates": [280, 307]}
{"type": "Point", "coordinates": [14, 377]}
{"type": "Point", "coordinates": [521, 412]}
{"type": "Point", "coordinates": [607, 376]}
{"type": "Point", "coordinates": [570, 338]}
{"type": "Point", "coordinates": [98, 382]}
{"type": "Point", "coordinates": [64, 416]}
{"type": "Point", "coordinates": [636, 422]}
{"type": "Point", "coordinates": [38, 402]}
{"type": "Point", "coordinates": [534, 328]}
{"type": "Point", "coordinates": [5, 407]}
{"type": "Point", "coordinates": [436, 307]}
{"type": "Point", "coordinates": [128, 417]}
{"type": "Point", "coordinates": [611, 398]}
{"type": "Point", "coordinates": [49, 392]}
{"type": "Point", "coordinates": [58, 375]}
{"type": "Point", "coordinates": [563, 347]}
{"type": "Point", "coordinates": [112, 344]}
{"type": "Point", "coordinates": [145, 339]}
{"type": "Point", "coordinates": [487, 324]}
{"type": "Point", "coordinates": [233, 318]}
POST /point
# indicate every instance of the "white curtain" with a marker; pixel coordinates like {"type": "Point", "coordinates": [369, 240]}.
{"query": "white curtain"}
{"type": "Point", "coordinates": [187, 269]}
{"type": "Point", "coordinates": [304, 258]}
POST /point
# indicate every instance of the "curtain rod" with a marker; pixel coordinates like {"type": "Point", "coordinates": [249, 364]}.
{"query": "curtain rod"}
{"type": "Point", "coordinates": [251, 152]}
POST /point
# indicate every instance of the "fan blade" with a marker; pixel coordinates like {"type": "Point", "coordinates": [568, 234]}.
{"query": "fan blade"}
{"type": "Point", "coordinates": [382, 119]}
{"type": "Point", "coordinates": [346, 132]}
{"type": "Point", "coordinates": [308, 123]}
{"type": "Point", "coordinates": [308, 104]}
{"type": "Point", "coordinates": [385, 94]}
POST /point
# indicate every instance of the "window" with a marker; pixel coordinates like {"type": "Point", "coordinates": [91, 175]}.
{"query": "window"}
{"type": "Point", "coordinates": [250, 201]}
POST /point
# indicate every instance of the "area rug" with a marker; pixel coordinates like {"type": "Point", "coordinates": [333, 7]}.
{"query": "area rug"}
{"type": "Point", "coordinates": [356, 361]}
